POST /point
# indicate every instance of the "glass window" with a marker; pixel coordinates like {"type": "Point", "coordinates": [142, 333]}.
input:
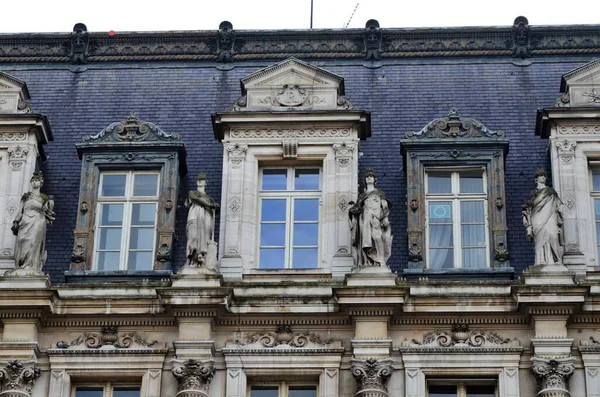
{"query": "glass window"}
{"type": "Point", "coordinates": [290, 203]}
{"type": "Point", "coordinates": [126, 225]}
{"type": "Point", "coordinates": [457, 235]}
{"type": "Point", "coordinates": [470, 388]}
{"type": "Point", "coordinates": [284, 389]}
{"type": "Point", "coordinates": [107, 390]}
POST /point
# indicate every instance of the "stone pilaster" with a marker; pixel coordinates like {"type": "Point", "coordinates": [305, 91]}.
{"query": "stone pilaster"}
{"type": "Point", "coordinates": [553, 375]}
{"type": "Point", "coordinates": [371, 376]}
{"type": "Point", "coordinates": [193, 376]}
{"type": "Point", "coordinates": [17, 378]}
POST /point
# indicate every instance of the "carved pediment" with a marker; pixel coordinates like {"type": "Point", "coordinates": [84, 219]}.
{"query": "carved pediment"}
{"type": "Point", "coordinates": [109, 339]}
{"type": "Point", "coordinates": [283, 339]}
{"type": "Point", "coordinates": [581, 86]}
{"type": "Point", "coordinates": [454, 127]}
{"type": "Point", "coordinates": [292, 85]}
{"type": "Point", "coordinates": [14, 96]}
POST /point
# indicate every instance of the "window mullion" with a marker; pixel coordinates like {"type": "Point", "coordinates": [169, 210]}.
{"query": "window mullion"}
{"type": "Point", "coordinates": [289, 232]}
{"type": "Point", "coordinates": [126, 222]}
{"type": "Point", "coordinates": [457, 230]}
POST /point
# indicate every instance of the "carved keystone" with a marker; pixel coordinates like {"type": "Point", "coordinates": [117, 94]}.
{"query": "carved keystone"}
{"type": "Point", "coordinates": [194, 377]}
{"type": "Point", "coordinates": [17, 378]}
{"type": "Point", "coordinates": [371, 376]}
{"type": "Point", "coordinates": [553, 376]}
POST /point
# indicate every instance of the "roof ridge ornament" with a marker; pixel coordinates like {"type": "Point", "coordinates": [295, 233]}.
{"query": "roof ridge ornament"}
{"type": "Point", "coordinates": [454, 127]}
{"type": "Point", "coordinates": [131, 130]}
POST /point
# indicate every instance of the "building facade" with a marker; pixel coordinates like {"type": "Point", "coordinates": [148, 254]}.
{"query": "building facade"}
{"type": "Point", "coordinates": [301, 213]}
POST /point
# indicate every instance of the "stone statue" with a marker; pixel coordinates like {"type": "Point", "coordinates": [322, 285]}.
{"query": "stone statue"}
{"type": "Point", "coordinates": [543, 220]}
{"type": "Point", "coordinates": [370, 226]}
{"type": "Point", "coordinates": [35, 213]}
{"type": "Point", "coordinates": [201, 247]}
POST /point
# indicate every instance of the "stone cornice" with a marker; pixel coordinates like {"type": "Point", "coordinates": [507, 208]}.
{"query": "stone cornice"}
{"type": "Point", "coordinates": [306, 44]}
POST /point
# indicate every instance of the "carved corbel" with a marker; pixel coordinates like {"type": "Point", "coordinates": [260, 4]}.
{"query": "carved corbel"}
{"type": "Point", "coordinates": [17, 378]}
{"type": "Point", "coordinates": [521, 33]}
{"type": "Point", "coordinates": [225, 39]}
{"type": "Point", "coordinates": [553, 376]}
{"type": "Point", "coordinates": [372, 37]}
{"type": "Point", "coordinates": [80, 41]}
{"type": "Point", "coordinates": [371, 376]}
{"type": "Point", "coordinates": [193, 376]}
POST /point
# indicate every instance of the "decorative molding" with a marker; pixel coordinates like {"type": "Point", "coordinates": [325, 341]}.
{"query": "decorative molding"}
{"type": "Point", "coordinates": [290, 149]}
{"type": "Point", "coordinates": [80, 42]}
{"type": "Point", "coordinates": [17, 378]}
{"type": "Point", "coordinates": [566, 150]}
{"type": "Point", "coordinates": [372, 37]}
{"type": "Point", "coordinates": [592, 95]}
{"type": "Point", "coordinates": [236, 150]}
{"type": "Point", "coordinates": [131, 130]}
{"type": "Point", "coordinates": [235, 204]}
{"type": "Point", "coordinates": [268, 133]}
{"type": "Point", "coordinates": [108, 338]}
{"type": "Point", "coordinates": [225, 41]}
{"type": "Point", "coordinates": [460, 337]}
{"type": "Point", "coordinates": [454, 127]}
{"type": "Point", "coordinates": [11, 208]}
{"type": "Point", "coordinates": [193, 377]}
{"type": "Point", "coordinates": [18, 153]}
{"type": "Point", "coordinates": [370, 312]}
{"type": "Point", "coordinates": [520, 43]}
{"type": "Point", "coordinates": [553, 375]}
{"type": "Point", "coordinates": [13, 136]}
{"type": "Point", "coordinates": [579, 129]}
{"type": "Point", "coordinates": [344, 149]}
{"type": "Point", "coordinates": [264, 322]}
{"type": "Point", "coordinates": [371, 376]}
{"type": "Point", "coordinates": [589, 346]}
{"type": "Point", "coordinates": [283, 336]}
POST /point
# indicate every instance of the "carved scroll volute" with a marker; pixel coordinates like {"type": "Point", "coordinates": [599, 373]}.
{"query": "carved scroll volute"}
{"type": "Point", "coordinates": [371, 376]}
{"type": "Point", "coordinates": [553, 376]}
{"type": "Point", "coordinates": [17, 378]}
{"type": "Point", "coordinates": [193, 376]}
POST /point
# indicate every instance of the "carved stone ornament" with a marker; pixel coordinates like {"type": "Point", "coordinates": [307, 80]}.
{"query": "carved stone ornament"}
{"type": "Point", "coordinates": [461, 337]}
{"type": "Point", "coordinates": [131, 130]}
{"type": "Point", "coordinates": [284, 336]}
{"type": "Point", "coordinates": [108, 338]}
{"type": "Point", "coordinates": [225, 40]}
{"type": "Point", "coordinates": [290, 133]}
{"type": "Point", "coordinates": [291, 95]}
{"type": "Point", "coordinates": [521, 33]}
{"type": "Point", "coordinates": [17, 153]}
{"type": "Point", "coordinates": [371, 376]}
{"type": "Point", "coordinates": [372, 38]}
{"type": "Point", "coordinates": [453, 126]}
{"type": "Point", "coordinates": [563, 101]}
{"type": "Point", "coordinates": [193, 376]}
{"type": "Point", "coordinates": [566, 150]}
{"type": "Point", "coordinates": [24, 106]}
{"type": "Point", "coordinates": [80, 41]}
{"type": "Point", "coordinates": [236, 150]}
{"type": "Point", "coordinates": [592, 96]}
{"type": "Point", "coordinates": [17, 378]}
{"type": "Point", "coordinates": [553, 375]}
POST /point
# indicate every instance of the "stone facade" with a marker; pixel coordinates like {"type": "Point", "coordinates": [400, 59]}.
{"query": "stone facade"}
{"type": "Point", "coordinates": [330, 329]}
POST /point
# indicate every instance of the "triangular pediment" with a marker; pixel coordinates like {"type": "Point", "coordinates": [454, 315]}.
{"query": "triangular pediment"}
{"type": "Point", "coordinates": [292, 85]}
{"type": "Point", "coordinates": [581, 86]}
{"type": "Point", "coordinates": [14, 96]}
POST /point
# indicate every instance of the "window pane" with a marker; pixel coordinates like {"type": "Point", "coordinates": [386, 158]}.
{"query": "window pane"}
{"type": "Point", "coordinates": [274, 179]}
{"type": "Point", "coordinates": [126, 393]}
{"type": "Point", "coordinates": [306, 179]}
{"type": "Point", "coordinates": [143, 214]}
{"type": "Point", "coordinates": [113, 185]}
{"type": "Point", "coordinates": [596, 180]}
{"type": "Point", "coordinates": [481, 391]}
{"type": "Point", "coordinates": [441, 258]}
{"type": "Point", "coordinates": [272, 258]}
{"type": "Point", "coordinates": [145, 184]}
{"type": "Point", "coordinates": [304, 258]}
{"type": "Point", "coordinates": [440, 212]}
{"type": "Point", "coordinates": [141, 238]}
{"type": "Point", "coordinates": [306, 210]}
{"type": "Point", "coordinates": [108, 261]}
{"type": "Point", "coordinates": [140, 260]}
{"type": "Point", "coordinates": [471, 182]}
{"type": "Point", "coordinates": [306, 234]}
{"type": "Point", "coordinates": [89, 392]}
{"type": "Point", "coordinates": [442, 391]}
{"type": "Point", "coordinates": [440, 236]}
{"type": "Point", "coordinates": [272, 234]}
{"type": "Point", "coordinates": [471, 211]}
{"type": "Point", "coordinates": [110, 239]}
{"type": "Point", "coordinates": [474, 258]}
{"type": "Point", "coordinates": [439, 182]}
{"type": "Point", "coordinates": [473, 235]}
{"type": "Point", "coordinates": [303, 391]}
{"type": "Point", "coordinates": [264, 391]}
{"type": "Point", "coordinates": [111, 214]}
{"type": "Point", "coordinates": [597, 205]}
{"type": "Point", "coordinates": [273, 210]}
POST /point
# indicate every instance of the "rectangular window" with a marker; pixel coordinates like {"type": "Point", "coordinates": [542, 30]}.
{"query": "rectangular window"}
{"type": "Point", "coordinates": [457, 225]}
{"type": "Point", "coordinates": [290, 199]}
{"type": "Point", "coordinates": [468, 388]}
{"type": "Point", "coordinates": [107, 390]}
{"type": "Point", "coordinates": [126, 221]}
{"type": "Point", "coordinates": [283, 389]}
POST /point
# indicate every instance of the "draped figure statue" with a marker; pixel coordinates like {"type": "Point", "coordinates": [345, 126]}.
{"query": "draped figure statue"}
{"type": "Point", "coordinates": [35, 213]}
{"type": "Point", "coordinates": [543, 220]}
{"type": "Point", "coordinates": [201, 226]}
{"type": "Point", "coordinates": [370, 226]}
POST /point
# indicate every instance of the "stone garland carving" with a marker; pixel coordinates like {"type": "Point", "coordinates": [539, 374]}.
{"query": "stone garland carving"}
{"type": "Point", "coordinates": [80, 41]}
{"type": "Point", "coordinates": [460, 336]}
{"type": "Point", "coordinates": [453, 126]}
{"type": "Point", "coordinates": [372, 37]}
{"type": "Point", "coordinates": [553, 375]}
{"type": "Point", "coordinates": [193, 376]}
{"type": "Point", "coordinates": [225, 41]}
{"type": "Point", "coordinates": [108, 338]}
{"type": "Point", "coordinates": [371, 376]}
{"type": "Point", "coordinates": [131, 130]}
{"type": "Point", "coordinates": [543, 221]}
{"type": "Point", "coordinates": [283, 336]}
{"type": "Point", "coordinates": [17, 378]}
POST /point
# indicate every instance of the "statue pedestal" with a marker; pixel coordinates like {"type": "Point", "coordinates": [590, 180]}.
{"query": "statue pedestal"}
{"type": "Point", "coordinates": [548, 275]}
{"type": "Point", "coordinates": [189, 276]}
{"type": "Point", "coordinates": [24, 279]}
{"type": "Point", "coordinates": [371, 276]}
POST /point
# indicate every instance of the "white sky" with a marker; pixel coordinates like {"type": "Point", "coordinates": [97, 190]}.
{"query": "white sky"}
{"type": "Point", "coordinates": [152, 15]}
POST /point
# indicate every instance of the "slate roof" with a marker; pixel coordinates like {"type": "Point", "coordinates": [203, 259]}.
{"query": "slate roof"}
{"type": "Point", "coordinates": [402, 95]}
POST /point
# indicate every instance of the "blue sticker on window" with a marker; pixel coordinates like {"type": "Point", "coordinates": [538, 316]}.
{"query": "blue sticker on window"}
{"type": "Point", "coordinates": [439, 211]}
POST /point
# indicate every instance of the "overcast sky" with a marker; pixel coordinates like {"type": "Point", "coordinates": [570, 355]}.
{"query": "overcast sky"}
{"type": "Point", "coordinates": [151, 15]}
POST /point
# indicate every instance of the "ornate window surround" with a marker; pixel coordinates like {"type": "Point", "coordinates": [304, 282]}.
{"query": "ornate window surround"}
{"type": "Point", "coordinates": [290, 114]}
{"type": "Point", "coordinates": [453, 142]}
{"type": "Point", "coordinates": [128, 145]}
